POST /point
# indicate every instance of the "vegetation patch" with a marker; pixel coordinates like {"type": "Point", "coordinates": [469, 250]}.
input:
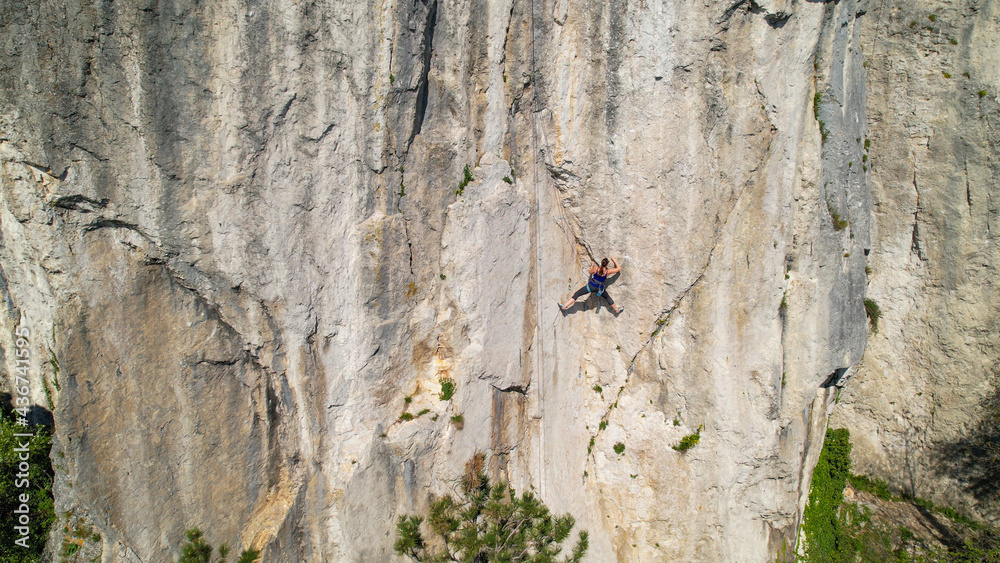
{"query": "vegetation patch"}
{"type": "Point", "coordinates": [488, 523]}
{"type": "Point", "coordinates": [839, 223]}
{"type": "Point", "coordinates": [877, 527]}
{"type": "Point", "coordinates": [873, 313]}
{"type": "Point", "coordinates": [689, 441]}
{"type": "Point", "coordinates": [33, 490]}
{"type": "Point", "coordinates": [197, 550]}
{"type": "Point", "coordinates": [619, 448]}
{"type": "Point", "coordinates": [825, 535]}
{"type": "Point", "coordinates": [873, 485]}
{"type": "Point", "coordinates": [817, 103]}
{"type": "Point", "coordinates": [447, 388]}
{"type": "Point", "coordinates": [75, 536]}
{"type": "Point", "coordinates": [466, 178]}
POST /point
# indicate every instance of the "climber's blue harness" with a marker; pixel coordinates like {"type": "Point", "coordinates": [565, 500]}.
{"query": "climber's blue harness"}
{"type": "Point", "coordinates": [596, 284]}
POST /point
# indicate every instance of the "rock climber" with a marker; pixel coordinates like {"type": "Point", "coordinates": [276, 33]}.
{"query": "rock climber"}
{"type": "Point", "coordinates": [597, 284]}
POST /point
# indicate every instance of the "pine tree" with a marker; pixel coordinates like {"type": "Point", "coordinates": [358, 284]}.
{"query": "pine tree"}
{"type": "Point", "coordinates": [197, 550]}
{"type": "Point", "coordinates": [489, 524]}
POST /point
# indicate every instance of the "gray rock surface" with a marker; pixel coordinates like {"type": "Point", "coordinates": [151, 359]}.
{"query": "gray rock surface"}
{"type": "Point", "coordinates": [915, 402]}
{"type": "Point", "coordinates": [243, 230]}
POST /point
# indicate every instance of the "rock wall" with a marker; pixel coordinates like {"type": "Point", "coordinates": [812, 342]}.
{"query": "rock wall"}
{"type": "Point", "coordinates": [245, 233]}
{"type": "Point", "coordinates": [914, 405]}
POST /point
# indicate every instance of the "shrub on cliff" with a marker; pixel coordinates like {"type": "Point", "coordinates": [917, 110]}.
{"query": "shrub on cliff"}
{"type": "Point", "coordinates": [825, 534]}
{"type": "Point", "coordinates": [490, 523]}
{"type": "Point", "coordinates": [197, 550]}
{"type": "Point", "coordinates": [689, 441]}
{"type": "Point", "coordinates": [874, 313]}
{"type": "Point", "coordinates": [839, 531]}
{"type": "Point", "coordinates": [28, 473]}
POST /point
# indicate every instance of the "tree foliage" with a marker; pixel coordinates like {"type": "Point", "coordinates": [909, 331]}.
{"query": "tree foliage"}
{"type": "Point", "coordinates": [36, 483]}
{"type": "Point", "coordinates": [197, 550]}
{"type": "Point", "coordinates": [488, 524]}
{"type": "Point", "coordinates": [825, 533]}
{"type": "Point", "coordinates": [846, 532]}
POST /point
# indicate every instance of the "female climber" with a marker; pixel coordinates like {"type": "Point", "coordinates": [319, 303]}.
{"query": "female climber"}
{"type": "Point", "coordinates": [597, 284]}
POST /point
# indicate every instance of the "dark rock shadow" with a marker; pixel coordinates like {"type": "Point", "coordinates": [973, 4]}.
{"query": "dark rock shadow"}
{"type": "Point", "coordinates": [975, 458]}
{"type": "Point", "coordinates": [40, 416]}
{"type": "Point", "coordinates": [944, 533]}
{"type": "Point", "coordinates": [37, 415]}
{"type": "Point", "coordinates": [834, 379]}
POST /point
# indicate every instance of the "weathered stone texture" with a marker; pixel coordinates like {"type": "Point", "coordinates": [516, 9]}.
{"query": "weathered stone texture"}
{"type": "Point", "coordinates": [914, 404]}
{"type": "Point", "coordinates": [243, 227]}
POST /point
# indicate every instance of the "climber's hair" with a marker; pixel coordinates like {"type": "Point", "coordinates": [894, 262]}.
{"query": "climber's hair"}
{"type": "Point", "coordinates": [604, 264]}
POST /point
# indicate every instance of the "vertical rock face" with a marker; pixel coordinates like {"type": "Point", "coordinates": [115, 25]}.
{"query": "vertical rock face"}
{"type": "Point", "coordinates": [915, 403]}
{"type": "Point", "coordinates": [246, 232]}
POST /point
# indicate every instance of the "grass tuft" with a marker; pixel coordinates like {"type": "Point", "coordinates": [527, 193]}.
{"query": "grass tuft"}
{"type": "Point", "coordinates": [689, 441]}
{"type": "Point", "coordinates": [467, 177]}
{"type": "Point", "coordinates": [873, 313]}
{"type": "Point", "coordinates": [839, 223]}
{"type": "Point", "coordinates": [447, 388]}
{"type": "Point", "coordinates": [872, 485]}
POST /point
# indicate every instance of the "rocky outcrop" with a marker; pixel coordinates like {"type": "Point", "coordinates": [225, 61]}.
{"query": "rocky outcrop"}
{"type": "Point", "coordinates": [258, 233]}
{"type": "Point", "coordinates": [914, 405]}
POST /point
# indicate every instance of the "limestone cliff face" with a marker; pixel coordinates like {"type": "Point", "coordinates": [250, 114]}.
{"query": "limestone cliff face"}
{"type": "Point", "coordinates": [914, 404]}
{"type": "Point", "coordinates": [243, 230]}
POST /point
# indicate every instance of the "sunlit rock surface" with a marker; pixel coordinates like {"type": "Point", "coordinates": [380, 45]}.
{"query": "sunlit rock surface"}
{"type": "Point", "coordinates": [243, 231]}
{"type": "Point", "coordinates": [915, 404]}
